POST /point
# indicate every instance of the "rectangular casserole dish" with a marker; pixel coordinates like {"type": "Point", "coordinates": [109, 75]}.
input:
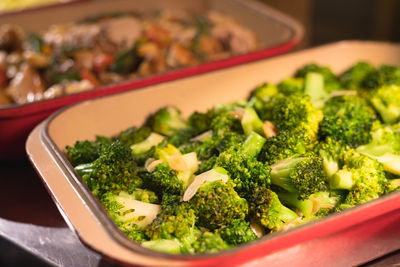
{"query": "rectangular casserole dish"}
{"type": "Point", "coordinates": [276, 32]}
{"type": "Point", "coordinates": [354, 236]}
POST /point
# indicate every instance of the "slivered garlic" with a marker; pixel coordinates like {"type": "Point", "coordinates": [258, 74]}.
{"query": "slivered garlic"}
{"type": "Point", "coordinates": [269, 129]}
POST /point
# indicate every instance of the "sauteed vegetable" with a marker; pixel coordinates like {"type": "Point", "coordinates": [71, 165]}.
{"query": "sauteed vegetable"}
{"type": "Point", "coordinates": [294, 152]}
{"type": "Point", "coordinates": [70, 58]}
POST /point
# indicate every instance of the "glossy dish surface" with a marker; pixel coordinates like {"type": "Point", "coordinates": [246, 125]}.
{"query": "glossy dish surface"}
{"type": "Point", "coordinates": [55, 140]}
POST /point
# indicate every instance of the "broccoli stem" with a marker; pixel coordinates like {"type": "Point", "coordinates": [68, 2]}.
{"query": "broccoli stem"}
{"type": "Point", "coordinates": [84, 168]}
{"type": "Point", "coordinates": [253, 144]}
{"type": "Point", "coordinates": [251, 122]}
{"type": "Point", "coordinates": [291, 199]}
{"type": "Point", "coordinates": [342, 179]}
{"type": "Point", "coordinates": [163, 245]}
{"type": "Point", "coordinates": [280, 173]}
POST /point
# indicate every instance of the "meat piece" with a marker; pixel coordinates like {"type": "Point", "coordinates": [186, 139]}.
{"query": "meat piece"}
{"type": "Point", "coordinates": [26, 86]}
{"type": "Point", "coordinates": [73, 35]}
{"type": "Point", "coordinates": [180, 56]}
{"type": "Point", "coordinates": [11, 38]}
{"type": "Point", "coordinates": [235, 37]}
{"type": "Point", "coordinates": [124, 31]}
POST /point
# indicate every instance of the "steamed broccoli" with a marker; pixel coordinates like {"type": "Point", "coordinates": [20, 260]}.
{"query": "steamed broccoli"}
{"type": "Point", "coordinates": [217, 204]}
{"type": "Point", "coordinates": [210, 243]}
{"type": "Point", "coordinates": [243, 167]}
{"type": "Point", "coordinates": [134, 135]}
{"type": "Point", "coordinates": [303, 175]}
{"type": "Point", "coordinates": [266, 207]}
{"type": "Point", "coordinates": [347, 119]}
{"type": "Point", "coordinates": [353, 77]}
{"type": "Point", "coordinates": [132, 212]}
{"type": "Point", "coordinates": [291, 86]}
{"type": "Point", "coordinates": [86, 151]}
{"type": "Point", "coordinates": [237, 232]}
{"type": "Point", "coordinates": [363, 177]}
{"type": "Point", "coordinates": [386, 101]}
{"type": "Point", "coordinates": [167, 121]}
{"type": "Point", "coordinates": [384, 75]}
{"type": "Point", "coordinates": [113, 171]}
{"type": "Point", "coordinates": [330, 80]}
{"type": "Point", "coordinates": [384, 147]}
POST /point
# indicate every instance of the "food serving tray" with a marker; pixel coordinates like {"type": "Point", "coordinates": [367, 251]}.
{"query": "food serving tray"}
{"type": "Point", "coordinates": [348, 238]}
{"type": "Point", "coordinates": [276, 34]}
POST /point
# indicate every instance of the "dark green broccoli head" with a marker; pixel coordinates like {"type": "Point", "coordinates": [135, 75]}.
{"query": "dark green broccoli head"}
{"type": "Point", "coordinates": [182, 136]}
{"type": "Point", "coordinates": [303, 175]}
{"type": "Point", "coordinates": [175, 221]}
{"type": "Point", "coordinates": [210, 243]}
{"type": "Point", "coordinates": [168, 121]}
{"type": "Point", "coordinates": [224, 123]}
{"type": "Point", "coordinates": [163, 180]}
{"type": "Point", "coordinates": [245, 171]}
{"type": "Point", "coordinates": [384, 75]}
{"type": "Point", "coordinates": [330, 152]}
{"type": "Point", "coordinates": [262, 94]}
{"type": "Point", "coordinates": [287, 144]}
{"type": "Point", "coordinates": [330, 80]}
{"type": "Point", "coordinates": [267, 208]}
{"type": "Point", "coordinates": [113, 171]}
{"type": "Point", "coordinates": [291, 86]}
{"type": "Point", "coordinates": [363, 177]}
{"type": "Point", "coordinates": [290, 112]}
{"type": "Point", "coordinates": [386, 101]}
{"type": "Point", "coordinates": [201, 122]}
{"type": "Point", "coordinates": [217, 204]}
{"type": "Point", "coordinates": [86, 151]}
{"type": "Point", "coordinates": [347, 119]}
{"type": "Point", "coordinates": [237, 232]}
{"type": "Point", "coordinates": [134, 135]}
{"type": "Point", "coordinates": [353, 77]}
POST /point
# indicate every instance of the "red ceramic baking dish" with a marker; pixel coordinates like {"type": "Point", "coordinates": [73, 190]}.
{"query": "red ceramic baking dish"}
{"type": "Point", "coordinates": [348, 238]}
{"type": "Point", "coordinates": [276, 33]}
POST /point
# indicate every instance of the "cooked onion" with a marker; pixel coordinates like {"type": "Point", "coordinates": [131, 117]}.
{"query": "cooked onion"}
{"type": "Point", "coordinates": [151, 163]}
{"type": "Point", "coordinates": [257, 228]}
{"type": "Point", "coordinates": [209, 176]}
{"type": "Point", "coordinates": [202, 136]}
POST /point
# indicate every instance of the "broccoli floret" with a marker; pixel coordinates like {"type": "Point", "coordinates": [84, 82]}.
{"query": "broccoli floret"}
{"type": "Point", "coordinates": [243, 167]}
{"type": "Point", "coordinates": [237, 232]}
{"type": "Point", "coordinates": [130, 213]}
{"type": "Point", "coordinates": [386, 101]}
{"type": "Point", "coordinates": [134, 135]}
{"type": "Point", "coordinates": [353, 77]}
{"type": "Point", "coordinates": [113, 171]}
{"type": "Point", "coordinates": [164, 245]}
{"type": "Point", "coordinates": [86, 151]}
{"type": "Point", "coordinates": [330, 80]}
{"type": "Point", "coordinates": [384, 75]}
{"type": "Point", "coordinates": [224, 123]}
{"type": "Point", "coordinates": [176, 221]}
{"type": "Point", "coordinates": [167, 121]}
{"type": "Point", "coordinates": [287, 144]}
{"type": "Point", "coordinates": [262, 94]}
{"type": "Point", "coordinates": [363, 177]}
{"type": "Point", "coordinates": [317, 204]}
{"type": "Point", "coordinates": [384, 147]}
{"type": "Point", "coordinates": [347, 119]}
{"type": "Point", "coordinates": [163, 179]}
{"type": "Point", "coordinates": [201, 122]}
{"type": "Point", "coordinates": [217, 204]}
{"type": "Point", "coordinates": [393, 185]}
{"type": "Point", "coordinates": [330, 151]}
{"type": "Point", "coordinates": [251, 122]}
{"type": "Point", "coordinates": [303, 175]}
{"type": "Point", "coordinates": [266, 207]}
{"type": "Point", "coordinates": [290, 112]}
{"type": "Point", "coordinates": [144, 146]}
{"type": "Point", "coordinates": [210, 243]}
{"type": "Point", "coordinates": [291, 86]}
{"type": "Point", "coordinates": [182, 136]}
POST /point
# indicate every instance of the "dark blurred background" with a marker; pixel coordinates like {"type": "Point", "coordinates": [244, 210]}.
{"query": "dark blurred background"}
{"type": "Point", "coordinates": [327, 21]}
